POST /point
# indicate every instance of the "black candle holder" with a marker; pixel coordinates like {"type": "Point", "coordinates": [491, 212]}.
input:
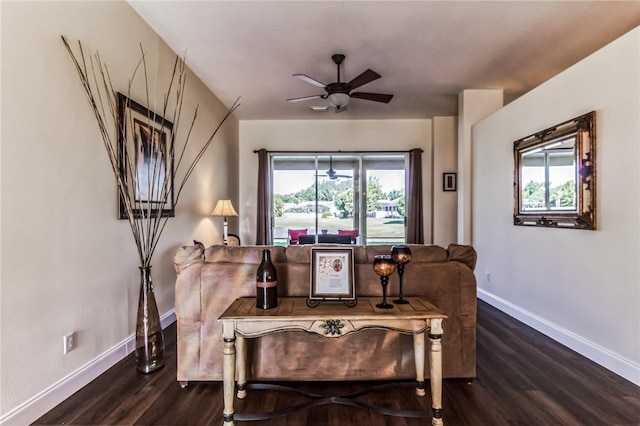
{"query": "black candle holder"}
{"type": "Point", "coordinates": [401, 256]}
{"type": "Point", "coordinates": [384, 266]}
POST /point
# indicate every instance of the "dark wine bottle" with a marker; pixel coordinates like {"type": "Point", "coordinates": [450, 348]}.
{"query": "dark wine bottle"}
{"type": "Point", "coordinates": [266, 283]}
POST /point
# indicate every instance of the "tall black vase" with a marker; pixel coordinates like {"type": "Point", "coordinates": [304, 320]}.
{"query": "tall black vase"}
{"type": "Point", "coordinates": [149, 337]}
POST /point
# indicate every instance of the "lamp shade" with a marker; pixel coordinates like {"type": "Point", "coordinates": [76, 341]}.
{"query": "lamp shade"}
{"type": "Point", "coordinates": [224, 208]}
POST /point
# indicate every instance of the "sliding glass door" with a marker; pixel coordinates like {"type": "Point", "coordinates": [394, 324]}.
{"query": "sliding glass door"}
{"type": "Point", "coordinates": [384, 199]}
{"type": "Point", "coordinates": [327, 197]}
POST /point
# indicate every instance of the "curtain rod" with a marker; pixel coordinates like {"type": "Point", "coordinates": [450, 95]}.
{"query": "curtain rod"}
{"type": "Point", "coordinates": [255, 151]}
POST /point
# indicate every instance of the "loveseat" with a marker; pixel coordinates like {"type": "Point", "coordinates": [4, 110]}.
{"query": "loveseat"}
{"type": "Point", "coordinates": [210, 279]}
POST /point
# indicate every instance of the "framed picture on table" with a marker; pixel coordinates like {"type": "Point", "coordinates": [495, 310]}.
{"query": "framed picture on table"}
{"type": "Point", "coordinates": [332, 272]}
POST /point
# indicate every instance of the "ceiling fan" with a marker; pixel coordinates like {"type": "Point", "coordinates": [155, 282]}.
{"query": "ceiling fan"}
{"type": "Point", "coordinates": [339, 93]}
{"type": "Point", "coordinates": [333, 175]}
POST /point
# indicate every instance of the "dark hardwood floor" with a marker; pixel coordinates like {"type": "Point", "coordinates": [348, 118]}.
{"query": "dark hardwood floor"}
{"type": "Point", "coordinates": [524, 378]}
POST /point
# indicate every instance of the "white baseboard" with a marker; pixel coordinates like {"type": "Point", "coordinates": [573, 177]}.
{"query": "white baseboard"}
{"type": "Point", "coordinates": [34, 408]}
{"type": "Point", "coordinates": [596, 353]}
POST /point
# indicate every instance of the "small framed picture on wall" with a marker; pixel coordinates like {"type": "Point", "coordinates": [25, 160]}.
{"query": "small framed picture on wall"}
{"type": "Point", "coordinates": [449, 183]}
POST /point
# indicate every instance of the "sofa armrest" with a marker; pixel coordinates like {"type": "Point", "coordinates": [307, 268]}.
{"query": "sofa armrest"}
{"type": "Point", "coordinates": [187, 256]}
{"type": "Point", "coordinates": [463, 254]}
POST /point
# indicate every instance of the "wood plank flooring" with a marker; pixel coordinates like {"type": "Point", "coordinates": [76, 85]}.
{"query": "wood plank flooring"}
{"type": "Point", "coordinates": [524, 378]}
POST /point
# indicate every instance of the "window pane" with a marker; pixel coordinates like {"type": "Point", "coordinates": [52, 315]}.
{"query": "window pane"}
{"type": "Point", "coordinates": [325, 192]}
{"type": "Point", "coordinates": [336, 193]}
{"type": "Point", "coordinates": [385, 207]}
{"type": "Point", "coordinates": [293, 203]}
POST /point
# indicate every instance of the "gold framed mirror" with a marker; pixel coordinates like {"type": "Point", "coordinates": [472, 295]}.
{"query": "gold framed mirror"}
{"type": "Point", "coordinates": [555, 176]}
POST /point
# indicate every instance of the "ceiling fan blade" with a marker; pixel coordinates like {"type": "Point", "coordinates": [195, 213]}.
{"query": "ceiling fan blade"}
{"type": "Point", "coordinates": [376, 97]}
{"type": "Point", "coordinates": [366, 77]}
{"type": "Point", "coordinates": [304, 98]}
{"type": "Point", "coordinates": [310, 80]}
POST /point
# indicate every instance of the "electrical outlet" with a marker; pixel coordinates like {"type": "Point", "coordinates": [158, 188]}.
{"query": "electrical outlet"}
{"type": "Point", "coordinates": [69, 343]}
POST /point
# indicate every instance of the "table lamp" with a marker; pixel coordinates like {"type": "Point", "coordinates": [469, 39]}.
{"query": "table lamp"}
{"type": "Point", "coordinates": [224, 208]}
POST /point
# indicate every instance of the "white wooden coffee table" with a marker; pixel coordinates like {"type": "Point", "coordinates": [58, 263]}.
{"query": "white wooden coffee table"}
{"type": "Point", "coordinates": [243, 320]}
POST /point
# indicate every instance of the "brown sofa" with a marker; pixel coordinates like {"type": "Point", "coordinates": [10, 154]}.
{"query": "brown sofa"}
{"type": "Point", "coordinates": [209, 280]}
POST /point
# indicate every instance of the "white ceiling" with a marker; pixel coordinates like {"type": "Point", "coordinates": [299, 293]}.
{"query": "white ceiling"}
{"type": "Point", "coordinates": [426, 51]}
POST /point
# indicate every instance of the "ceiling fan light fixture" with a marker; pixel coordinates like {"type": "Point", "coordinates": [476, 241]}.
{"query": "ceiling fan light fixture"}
{"type": "Point", "coordinates": [338, 100]}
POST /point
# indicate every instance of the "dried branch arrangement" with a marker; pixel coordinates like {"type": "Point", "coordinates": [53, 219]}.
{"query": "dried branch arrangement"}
{"type": "Point", "coordinates": [142, 189]}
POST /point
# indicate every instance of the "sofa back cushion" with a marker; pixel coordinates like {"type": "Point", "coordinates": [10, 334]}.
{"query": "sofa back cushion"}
{"type": "Point", "coordinates": [428, 265]}
{"type": "Point", "coordinates": [419, 253]}
{"type": "Point", "coordinates": [242, 254]}
{"type": "Point", "coordinates": [424, 258]}
{"type": "Point", "coordinates": [302, 253]}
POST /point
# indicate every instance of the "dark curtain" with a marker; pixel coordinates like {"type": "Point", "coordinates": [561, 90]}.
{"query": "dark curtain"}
{"type": "Point", "coordinates": [263, 228]}
{"type": "Point", "coordinates": [415, 227]}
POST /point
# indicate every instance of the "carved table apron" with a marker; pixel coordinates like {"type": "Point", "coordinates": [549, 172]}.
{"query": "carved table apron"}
{"type": "Point", "coordinates": [243, 320]}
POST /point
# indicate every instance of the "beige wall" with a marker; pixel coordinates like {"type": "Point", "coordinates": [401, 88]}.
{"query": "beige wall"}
{"type": "Point", "coordinates": [580, 287]}
{"type": "Point", "coordinates": [445, 160]}
{"type": "Point", "coordinates": [327, 135]}
{"type": "Point", "coordinates": [67, 263]}
{"type": "Point", "coordinates": [473, 106]}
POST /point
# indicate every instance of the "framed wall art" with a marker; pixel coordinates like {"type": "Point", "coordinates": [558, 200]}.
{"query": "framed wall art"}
{"type": "Point", "coordinates": [145, 160]}
{"type": "Point", "coordinates": [449, 182]}
{"type": "Point", "coordinates": [332, 273]}
{"type": "Point", "coordinates": [555, 176]}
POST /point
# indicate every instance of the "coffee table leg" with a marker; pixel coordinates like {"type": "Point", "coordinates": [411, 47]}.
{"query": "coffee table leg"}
{"type": "Point", "coordinates": [241, 357]}
{"type": "Point", "coordinates": [229, 370]}
{"type": "Point", "coordinates": [418, 353]}
{"type": "Point", "coordinates": [435, 369]}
